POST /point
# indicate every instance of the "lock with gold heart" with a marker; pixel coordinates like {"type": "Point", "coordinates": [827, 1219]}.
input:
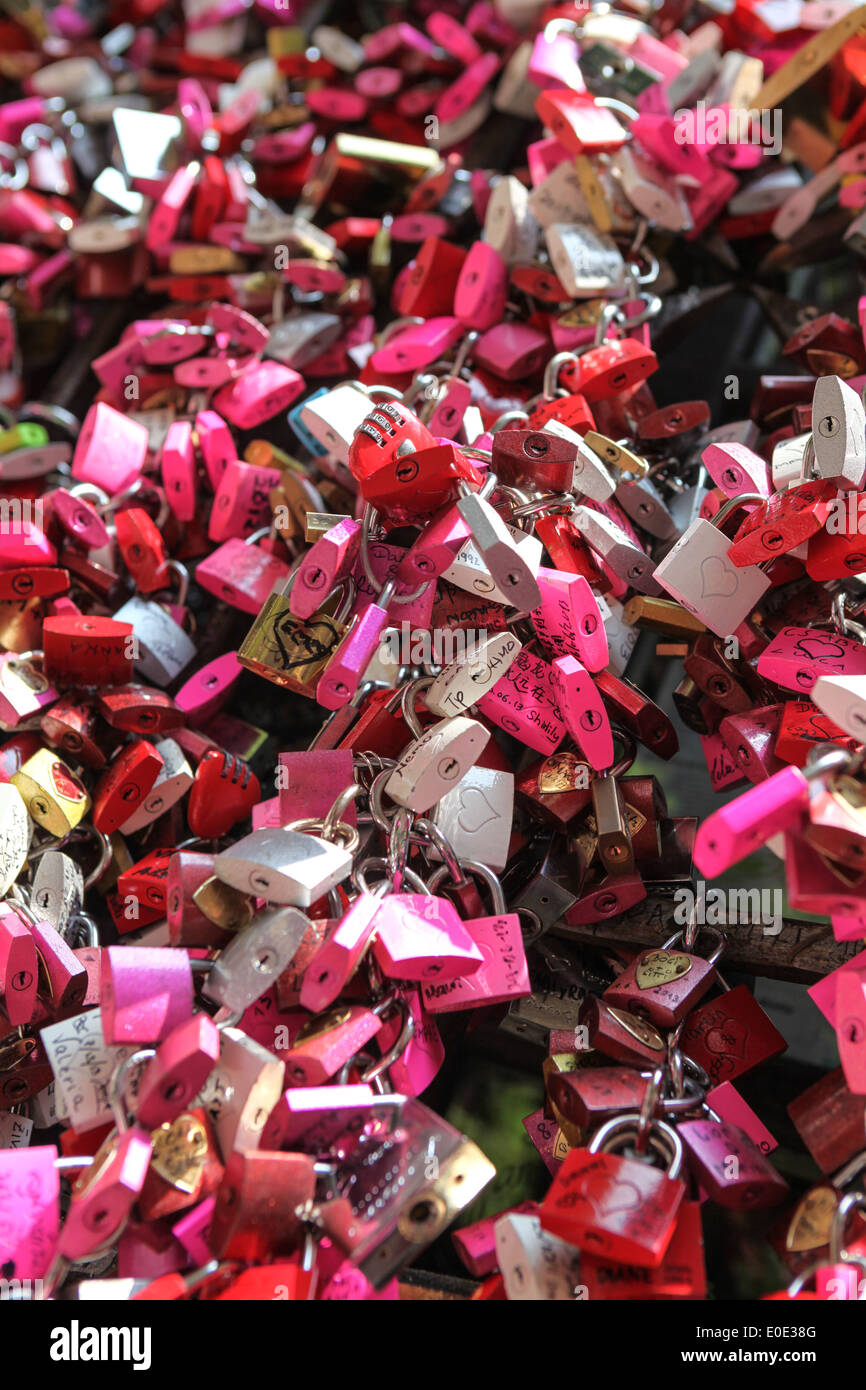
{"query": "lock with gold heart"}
{"type": "Point", "coordinates": [662, 984]}
{"type": "Point", "coordinates": [55, 798]}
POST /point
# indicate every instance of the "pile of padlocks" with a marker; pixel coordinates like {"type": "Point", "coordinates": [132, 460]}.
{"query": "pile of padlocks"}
{"type": "Point", "coordinates": [326, 348]}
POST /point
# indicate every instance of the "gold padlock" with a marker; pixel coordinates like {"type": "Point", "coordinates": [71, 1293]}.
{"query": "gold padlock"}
{"type": "Point", "coordinates": [53, 795]}
{"type": "Point", "coordinates": [293, 652]}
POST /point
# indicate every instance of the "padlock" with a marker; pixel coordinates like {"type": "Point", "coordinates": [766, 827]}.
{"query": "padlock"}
{"type": "Point", "coordinates": [435, 762]}
{"type": "Point", "coordinates": [57, 889]}
{"type": "Point", "coordinates": [19, 968]}
{"type": "Point", "coordinates": [731, 1035]}
{"type": "Point", "coordinates": [125, 783]}
{"type": "Point", "coordinates": [616, 549]}
{"type": "Point", "coordinates": [421, 937]}
{"type": "Point", "coordinates": [615, 1206]}
{"type": "Point", "coordinates": [54, 797]}
{"type": "Point", "coordinates": [503, 974]}
{"type": "Point", "coordinates": [284, 866]}
{"type": "Point", "coordinates": [624, 1037]}
{"type": "Point", "coordinates": [663, 985]}
{"type": "Point", "coordinates": [88, 651]}
{"type": "Point", "coordinates": [242, 573]}
{"type": "Point", "coordinates": [145, 993]}
{"type": "Point", "coordinates": [249, 965]}
{"type": "Point", "coordinates": [32, 1218]}
{"type": "Point", "coordinates": [728, 1166]}
{"type": "Point", "coordinates": [838, 432]}
{"type": "Point", "coordinates": [224, 792]}
{"type": "Point", "coordinates": [783, 522]}
{"type": "Point", "coordinates": [103, 1196]}
{"type": "Point", "coordinates": [535, 1264]}
{"type": "Point", "coordinates": [162, 648]}
{"type": "Point", "coordinates": [841, 1279]}
{"type": "Point", "coordinates": [142, 548]}
{"type": "Point", "coordinates": [582, 711]}
{"type": "Point", "coordinates": [328, 1042]}
{"type": "Point", "coordinates": [476, 816]}
{"type": "Point", "coordinates": [290, 651]}
{"type": "Point", "coordinates": [111, 450]}
{"type": "Point", "coordinates": [240, 504]}
{"type": "Point", "coordinates": [727, 595]}
{"type": "Point", "coordinates": [523, 704]}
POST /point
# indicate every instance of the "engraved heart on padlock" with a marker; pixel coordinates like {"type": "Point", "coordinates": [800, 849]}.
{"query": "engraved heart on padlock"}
{"type": "Point", "coordinates": [718, 580]}
{"type": "Point", "coordinates": [728, 1039]}
{"type": "Point", "coordinates": [609, 1197]}
{"type": "Point", "coordinates": [65, 784]}
{"type": "Point", "coordinates": [471, 817]}
{"type": "Point", "coordinates": [660, 968]}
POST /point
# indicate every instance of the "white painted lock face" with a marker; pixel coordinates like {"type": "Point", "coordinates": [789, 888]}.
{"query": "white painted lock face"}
{"type": "Point", "coordinates": [15, 1130]}
{"type": "Point", "coordinates": [163, 647]}
{"type": "Point", "coordinates": [338, 48]}
{"type": "Point", "coordinates": [509, 226]}
{"type": "Point", "coordinates": [74, 79]}
{"type": "Point", "coordinates": [298, 340]}
{"type": "Point", "coordinates": [698, 572]}
{"type": "Point", "coordinates": [104, 234]}
{"type": "Point", "coordinates": [434, 763]}
{"type": "Point", "coordinates": [15, 831]}
{"type": "Point", "coordinates": [57, 891]}
{"type": "Point", "coordinates": [241, 1091]}
{"type": "Point", "coordinates": [334, 418]}
{"type": "Point", "coordinates": [839, 432]}
{"type": "Point", "coordinates": [843, 699]}
{"type": "Point", "coordinates": [145, 141]}
{"type": "Point", "coordinates": [465, 680]}
{"type": "Point", "coordinates": [468, 570]}
{"type": "Point", "coordinates": [586, 261]}
{"type": "Point", "coordinates": [82, 1063]}
{"type": "Point", "coordinates": [476, 817]}
{"type": "Point", "coordinates": [493, 540]}
{"type": "Point", "coordinates": [254, 959]}
{"type": "Point", "coordinates": [617, 550]}
{"type": "Point", "coordinates": [173, 782]}
{"type": "Point", "coordinates": [656, 198]}
{"type": "Point", "coordinates": [621, 636]}
{"type": "Point", "coordinates": [283, 866]}
{"type": "Point", "coordinates": [591, 476]}
{"type": "Point", "coordinates": [787, 462]}
{"type": "Point", "coordinates": [535, 1265]}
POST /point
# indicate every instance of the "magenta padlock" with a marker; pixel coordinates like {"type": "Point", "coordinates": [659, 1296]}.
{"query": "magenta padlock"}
{"type": "Point", "coordinates": [195, 110]}
{"type": "Point", "coordinates": [187, 924]}
{"type": "Point", "coordinates": [337, 104]}
{"type": "Point", "coordinates": [63, 973]}
{"type": "Point", "coordinates": [375, 84]}
{"type": "Point", "coordinates": [848, 928]}
{"type": "Point", "coordinates": [813, 887]}
{"type": "Point", "coordinates": [209, 373]}
{"type": "Point", "coordinates": [284, 146]}
{"type": "Point", "coordinates": [241, 573]}
{"type": "Point", "coordinates": [216, 443]}
{"type": "Point", "coordinates": [524, 705]}
{"type": "Point", "coordinates": [750, 820]}
{"type": "Point", "coordinates": [259, 393]}
{"type": "Point", "coordinates": [162, 222]}
{"type": "Point", "coordinates": [177, 469]}
{"type": "Point", "coordinates": [328, 1042]}
{"type": "Point", "coordinates": [512, 351]}
{"type": "Point", "coordinates": [24, 690]}
{"type": "Point", "coordinates": [582, 710]}
{"type": "Point", "coordinates": [23, 544]}
{"type": "Point", "coordinates": [435, 548]}
{"type": "Point", "coordinates": [451, 406]}
{"type": "Point", "coordinates": [553, 61]}
{"type": "Point", "coordinates": [241, 501]}
{"type": "Point", "coordinates": [121, 361]}
{"type": "Point", "coordinates": [111, 450]}
{"type": "Point", "coordinates": [456, 100]}
{"type": "Point", "coordinates": [166, 342]}
{"type": "Point", "coordinates": [797, 656]}
{"type": "Point", "coordinates": [329, 561]}
{"type": "Point", "coordinates": [353, 654]}
{"type": "Point", "coordinates": [79, 519]}
{"type": "Point", "coordinates": [422, 938]}
{"type": "Point", "coordinates": [19, 968]}
{"type": "Point", "coordinates": [104, 1195]}
{"type": "Point", "coordinates": [417, 346]}
{"type": "Point", "coordinates": [146, 991]}
{"type": "Point", "coordinates": [242, 328]}
{"type": "Point", "coordinates": [502, 976]}
{"type": "Point", "coordinates": [29, 1210]}
{"type": "Point", "coordinates": [337, 959]}
{"type": "Point", "coordinates": [737, 470]}
{"type": "Point", "coordinates": [482, 288]}
{"type": "Point", "coordinates": [726, 1102]}
{"type": "Point", "coordinates": [173, 1078]}
{"type": "Point", "coordinates": [206, 692]}
{"type": "Point", "coordinates": [851, 1028]}
{"type": "Point", "coordinates": [729, 1166]}
{"type": "Point", "coordinates": [569, 620]}
{"type": "Point", "coordinates": [421, 1060]}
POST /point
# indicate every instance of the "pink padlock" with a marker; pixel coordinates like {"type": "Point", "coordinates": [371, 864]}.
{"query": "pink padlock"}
{"type": "Point", "coordinates": [421, 1060]}
{"type": "Point", "coordinates": [30, 1184]}
{"type": "Point", "coordinates": [102, 1199]}
{"type": "Point", "coordinates": [169, 341]}
{"type": "Point", "coordinates": [177, 467]}
{"type": "Point", "coordinates": [419, 345]}
{"type": "Point", "coordinates": [258, 394]}
{"type": "Point", "coordinates": [451, 406]}
{"type": "Point", "coordinates": [23, 543]}
{"type": "Point", "coordinates": [482, 288]}
{"type": "Point", "coordinates": [240, 504]}
{"type": "Point", "coordinates": [163, 221]}
{"type": "Point", "coordinates": [726, 1101]}
{"type": "Point", "coordinates": [422, 938]}
{"type": "Point", "coordinates": [747, 822]}
{"type": "Point", "coordinates": [523, 704]}
{"type": "Point", "coordinates": [146, 991]}
{"type": "Point", "coordinates": [330, 560]}
{"type": "Point", "coordinates": [737, 470]}
{"type": "Point", "coordinates": [310, 780]}
{"type": "Point", "coordinates": [284, 146]}
{"type": "Point", "coordinates": [582, 710]}
{"type": "Point", "coordinates": [513, 351]}
{"type": "Point", "coordinates": [79, 519]}
{"type": "Point", "coordinates": [206, 692]}
{"type": "Point", "coordinates": [121, 361]}
{"type": "Point", "coordinates": [64, 974]}
{"type": "Point", "coordinates": [797, 656]}
{"type": "Point", "coordinates": [111, 450]}
{"type": "Point", "coordinates": [174, 1077]}
{"type": "Point", "coordinates": [336, 961]}
{"type": "Point", "coordinates": [502, 976]}
{"type": "Point", "coordinates": [569, 620]}
{"type": "Point", "coordinates": [241, 573]}
{"type": "Point", "coordinates": [353, 654]}
{"type": "Point", "coordinates": [337, 104]}
{"type": "Point", "coordinates": [435, 548]}
{"type": "Point", "coordinates": [216, 444]}
{"type": "Point", "coordinates": [19, 968]}
{"type": "Point", "coordinates": [209, 373]}
{"type": "Point", "coordinates": [456, 100]}
{"type": "Point", "coordinates": [457, 41]}
{"type": "Point", "coordinates": [241, 327]}
{"type": "Point", "coordinates": [313, 1118]}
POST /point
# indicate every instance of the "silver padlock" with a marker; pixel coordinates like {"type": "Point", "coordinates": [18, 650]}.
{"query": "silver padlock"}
{"type": "Point", "coordinates": [699, 574]}
{"type": "Point", "coordinates": [591, 477]}
{"type": "Point", "coordinates": [536, 1266]}
{"type": "Point", "coordinates": [477, 817]}
{"type": "Point", "coordinates": [334, 418]}
{"type": "Point", "coordinates": [284, 865]}
{"type": "Point", "coordinates": [641, 500]}
{"type": "Point", "coordinates": [435, 762]}
{"type": "Point", "coordinates": [839, 432]}
{"type": "Point", "coordinates": [507, 568]}
{"type": "Point", "coordinates": [616, 549]}
{"type": "Point", "coordinates": [254, 959]}
{"type": "Point", "coordinates": [241, 1091]}
{"type": "Point", "coordinates": [57, 891]}
{"type": "Point", "coordinates": [587, 262]}
{"type": "Point", "coordinates": [509, 225]}
{"type": "Point", "coordinates": [164, 648]}
{"type": "Point", "coordinates": [16, 828]}
{"type": "Point", "coordinates": [301, 338]}
{"type": "Point", "coordinates": [462, 682]}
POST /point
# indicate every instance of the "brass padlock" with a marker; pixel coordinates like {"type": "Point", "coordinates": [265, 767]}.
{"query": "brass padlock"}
{"type": "Point", "coordinates": [53, 795]}
{"type": "Point", "coordinates": [292, 651]}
